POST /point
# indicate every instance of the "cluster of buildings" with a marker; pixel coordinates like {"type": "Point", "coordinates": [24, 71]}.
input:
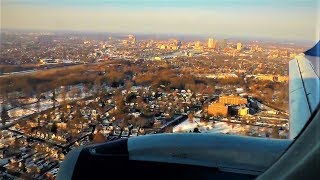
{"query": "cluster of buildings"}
{"type": "Point", "coordinates": [45, 138]}
{"type": "Point", "coordinates": [20, 155]}
{"type": "Point", "coordinates": [280, 54]}
{"type": "Point", "coordinates": [172, 44]}
{"type": "Point", "coordinates": [232, 114]}
{"type": "Point", "coordinates": [81, 49]}
{"type": "Point", "coordinates": [212, 43]}
{"type": "Point", "coordinates": [28, 48]}
{"type": "Point", "coordinates": [36, 145]}
{"type": "Point", "coordinates": [130, 48]}
{"type": "Point", "coordinates": [131, 40]}
{"type": "Point", "coordinates": [271, 77]}
{"type": "Point", "coordinates": [226, 105]}
{"type": "Point", "coordinates": [147, 111]}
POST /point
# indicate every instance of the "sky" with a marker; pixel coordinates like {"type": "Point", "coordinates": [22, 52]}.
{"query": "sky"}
{"type": "Point", "coordinates": [284, 19]}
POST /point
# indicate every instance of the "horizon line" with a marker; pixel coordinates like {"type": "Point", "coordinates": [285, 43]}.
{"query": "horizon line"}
{"type": "Point", "coordinates": [202, 35]}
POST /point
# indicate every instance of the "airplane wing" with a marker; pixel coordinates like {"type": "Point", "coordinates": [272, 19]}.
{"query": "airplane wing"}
{"type": "Point", "coordinates": [304, 89]}
{"type": "Point", "coordinates": [301, 159]}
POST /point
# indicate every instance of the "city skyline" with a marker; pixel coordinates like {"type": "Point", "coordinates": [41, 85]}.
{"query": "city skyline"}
{"type": "Point", "coordinates": [296, 20]}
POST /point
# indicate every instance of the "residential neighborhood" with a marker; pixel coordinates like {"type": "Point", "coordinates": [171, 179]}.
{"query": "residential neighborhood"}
{"type": "Point", "coordinates": [123, 87]}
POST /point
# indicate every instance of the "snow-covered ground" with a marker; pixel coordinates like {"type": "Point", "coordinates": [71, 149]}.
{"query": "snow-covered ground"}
{"type": "Point", "coordinates": [20, 112]}
{"type": "Point", "coordinates": [210, 127]}
{"type": "Point", "coordinates": [220, 127]}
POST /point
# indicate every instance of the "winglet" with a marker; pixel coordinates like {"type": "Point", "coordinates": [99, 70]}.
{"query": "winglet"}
{"type": "Point", "coordinates": [315, 51]}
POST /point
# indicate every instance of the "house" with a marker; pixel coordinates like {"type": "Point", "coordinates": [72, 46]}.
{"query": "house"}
{"type": "Point", "coordinates": [243, 111]}
{"type": "Point", "coordinates": [62, 125]}
{"type": "Point", "coordinates": [3, 152]}
{"type": "Point", "coordinates": [52, 174]}
{"type": "Point", "coordinates": [157, 124]}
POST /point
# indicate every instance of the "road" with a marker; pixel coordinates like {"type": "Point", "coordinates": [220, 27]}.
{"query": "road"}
{"type": "Point", "coordinates": [251, 124]}
{"type": "Point", "coordinates": [173, 123]}
{"type": "Point", "coordinates": [19, 73]}
{"type": "Point", "coordinates": [41, 69]}
{"type": "Point", "coordinates": [34, 70]}
{"type": "Point", "coordinates": [274, 118]}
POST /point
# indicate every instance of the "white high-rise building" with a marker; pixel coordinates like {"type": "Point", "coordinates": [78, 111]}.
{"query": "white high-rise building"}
{"type": "Point", "coordinates": [210, 43]}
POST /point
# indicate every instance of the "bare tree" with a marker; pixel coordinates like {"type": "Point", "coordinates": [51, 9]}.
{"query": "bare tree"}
{"type": "Point", "coordinates": [4, 115]}
{"type": "Point", "coordinates": [54, 98]}
{"type": "Point", "coordinates": [275, 133]}
{"type": "Point", "coordinates": [98, 86]}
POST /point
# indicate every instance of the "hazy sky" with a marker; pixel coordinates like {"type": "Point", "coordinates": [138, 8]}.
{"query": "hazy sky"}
{"type": "Point", "coordinates": [288, 19]}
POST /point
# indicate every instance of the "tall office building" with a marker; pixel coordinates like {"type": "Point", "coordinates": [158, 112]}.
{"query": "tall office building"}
{"type": "Point", "coordinates": [211, 43]}
{"type": "Point", "coordinates": [197, 45]}
{"type": "Point", "coordinates": [239, 46]}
